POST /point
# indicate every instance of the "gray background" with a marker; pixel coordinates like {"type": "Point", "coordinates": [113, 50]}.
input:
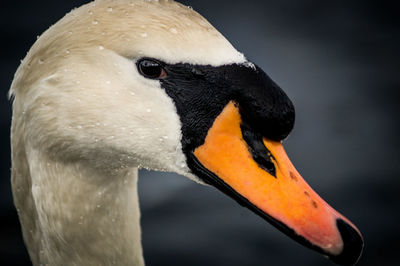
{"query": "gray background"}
{"type": "Point", "coordinates": [339, 63]}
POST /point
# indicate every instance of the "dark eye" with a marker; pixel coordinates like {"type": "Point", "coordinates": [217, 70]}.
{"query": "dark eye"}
{"type": "Point", "coordinates": [151, 69]}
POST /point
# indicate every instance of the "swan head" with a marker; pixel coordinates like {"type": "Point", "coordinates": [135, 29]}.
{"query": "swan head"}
{"type": "Point", "coordinates": [124, 84]}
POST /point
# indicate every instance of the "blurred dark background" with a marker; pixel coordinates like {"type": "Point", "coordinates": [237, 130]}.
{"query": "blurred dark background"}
{"type": "Point", "coordinates": [339, 63]}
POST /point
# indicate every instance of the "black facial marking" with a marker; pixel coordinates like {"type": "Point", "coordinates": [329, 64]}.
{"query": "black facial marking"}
{"type": "Point", "coordinates": [201, 92]}
{"type": "Point", "coordinates": [261, 155]}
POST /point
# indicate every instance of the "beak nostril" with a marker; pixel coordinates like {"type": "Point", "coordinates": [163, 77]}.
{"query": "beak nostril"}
{"type": "Point", "coordinates": [257, 149]}
{"type": "Point", "coordinates": [352, 244]}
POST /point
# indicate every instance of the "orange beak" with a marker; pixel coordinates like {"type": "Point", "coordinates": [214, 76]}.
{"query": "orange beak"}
{"type": "Point", "coordinates": [276, 191]}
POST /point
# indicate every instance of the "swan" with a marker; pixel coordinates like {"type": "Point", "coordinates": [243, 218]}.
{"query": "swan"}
{"type": "Point", "coordinates": [116, 86]}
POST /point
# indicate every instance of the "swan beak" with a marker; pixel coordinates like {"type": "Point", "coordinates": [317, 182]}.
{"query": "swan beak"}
{"type": "Point", "coordinates": [269, 185]}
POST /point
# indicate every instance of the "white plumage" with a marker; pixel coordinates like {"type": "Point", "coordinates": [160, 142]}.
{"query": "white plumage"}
{"type": "Point", "coordinates": [84, 121]}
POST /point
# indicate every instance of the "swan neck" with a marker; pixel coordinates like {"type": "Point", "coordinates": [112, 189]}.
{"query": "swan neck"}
{"type": "Point", "coordinates": [74, 215]}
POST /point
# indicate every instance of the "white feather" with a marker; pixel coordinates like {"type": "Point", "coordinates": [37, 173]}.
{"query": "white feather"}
{"type": "Point", "coordinates": [84, 121]}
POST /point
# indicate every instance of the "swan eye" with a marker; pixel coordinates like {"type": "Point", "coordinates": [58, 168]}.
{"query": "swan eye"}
{"type": "Point", "coordinates": [151, 69]}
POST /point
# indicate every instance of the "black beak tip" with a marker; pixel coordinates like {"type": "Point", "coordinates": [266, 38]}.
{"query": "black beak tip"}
{"type": "Point", "coordinates": [352, 245]}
